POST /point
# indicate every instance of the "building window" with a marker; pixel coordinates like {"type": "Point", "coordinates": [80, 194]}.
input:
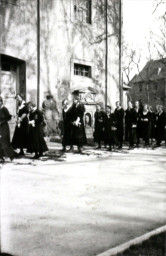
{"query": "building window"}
{"type": "Point", "coordinates": [82, 10]}
{"type": "Point", "coordinates": [140, 87]}
{"type": "Point", "coordinates": [5, 67]}
{"type": "Point", "coordinates": [82, 70]}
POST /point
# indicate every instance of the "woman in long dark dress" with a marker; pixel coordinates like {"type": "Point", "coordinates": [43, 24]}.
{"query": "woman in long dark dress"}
{"type": "Point", "coordinates": [66, 140]}
{"type": "Point", "coordinates": [78, 136]}
{"type": "Point", "coordinates": [20, 137]}
{"type": "Point", "coordinates": [138, 110]}
{"type": "Point", "coordinates": [160, 126]}
{"type": "Point", "coordinates": [152, 125]}
{"type": "Point", "coordinates": [99, 126]}
{"type": "Point", "coordinates": [119, 114]}
{"type": "Point", "coordinates": [131, 125]}
{"type": "Point", "coordinates": [6, 149]}
{"type": "Point", "coordinates": [36, 142]}
{"type": "Point", "coordinates": [145, 121]}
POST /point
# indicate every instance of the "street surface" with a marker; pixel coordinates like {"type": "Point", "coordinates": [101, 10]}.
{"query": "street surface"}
{"type": "Point", "coordinates": [81, 205]}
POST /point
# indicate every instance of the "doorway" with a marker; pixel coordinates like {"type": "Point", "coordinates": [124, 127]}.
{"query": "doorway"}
{"type": "Point", "coordinates": [12, 81]}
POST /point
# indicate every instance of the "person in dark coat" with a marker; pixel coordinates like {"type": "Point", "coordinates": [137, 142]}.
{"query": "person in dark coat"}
{"type": "Point", "coordinates": [78, 136]}
{"type": "Point", "coordinates": [131, 124]}
{"type": "Point", "coordinates": [145, 122]}
{"type": "Point", "coordinates": [138, 110]}
{"type": "Point", "coordinates": [156, 115]}
{"type": "Point", "coordinates": [20, 137]}
{"type": "Point", "coordinates": [160, 126]}
{"type": "Point", "coordinates": [66, 140]}
{"type": "Point", "coordinates": [152, 125]}
{"type": "Point", "coordinates": [6, 149]}
{"type": "Point", "coordinates": [36, 142]}
{"type": "Point", "coordinates": [99, 125]}
{"type": "Point", "coordinates": [119, 114]}
{"type": "Point", "coordinates": [110, 128]}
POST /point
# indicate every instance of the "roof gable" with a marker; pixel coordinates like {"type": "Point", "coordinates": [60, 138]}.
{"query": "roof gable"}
{"type": "Point", "coordinates": [152, 71]}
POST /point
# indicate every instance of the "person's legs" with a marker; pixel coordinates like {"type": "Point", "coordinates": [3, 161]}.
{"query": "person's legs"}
{"type": "Point", "coordinates": [110, 147]}
{"type": "Point", "coordinates": [99, 144]}
{"type": "Point", "coordinates": [131, 143]}
{"type": "Point", "coordinates": [21, 153]}
{"type": "Point", "coordinates": [36, 156]}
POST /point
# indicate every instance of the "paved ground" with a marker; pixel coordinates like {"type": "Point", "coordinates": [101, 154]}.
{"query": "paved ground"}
{"type": "Point", "coordinates": [81, 205]}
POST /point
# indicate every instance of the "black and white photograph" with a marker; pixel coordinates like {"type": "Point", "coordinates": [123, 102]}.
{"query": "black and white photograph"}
{"type": "Point", "coordinates": [83, 127]}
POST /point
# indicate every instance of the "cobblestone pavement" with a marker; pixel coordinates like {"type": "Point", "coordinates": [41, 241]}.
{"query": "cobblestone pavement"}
{"type": "Point", "coordinates": [81, 205]}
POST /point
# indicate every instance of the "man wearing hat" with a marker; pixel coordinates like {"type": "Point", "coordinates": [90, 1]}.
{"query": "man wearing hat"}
{"type": "Point", "coordinates": [78, 136]}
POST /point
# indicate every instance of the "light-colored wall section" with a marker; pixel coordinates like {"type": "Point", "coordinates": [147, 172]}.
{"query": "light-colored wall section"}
{"type": "Point", "coordinates": [18, 38]}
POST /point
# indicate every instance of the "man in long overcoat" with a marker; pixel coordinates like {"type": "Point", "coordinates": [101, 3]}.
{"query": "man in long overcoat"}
{"type": "Point", "coordinates": [77, 111]}
{"type": "Point", "coordinates": [119, 114]}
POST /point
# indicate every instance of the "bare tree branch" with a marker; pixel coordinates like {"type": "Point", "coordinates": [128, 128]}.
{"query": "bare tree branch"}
{"type": "Point", "coordinates": [157, 3]}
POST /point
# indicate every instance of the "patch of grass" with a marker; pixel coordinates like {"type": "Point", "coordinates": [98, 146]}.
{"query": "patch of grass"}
{"type": "Point", "coordinates": [154, 246]}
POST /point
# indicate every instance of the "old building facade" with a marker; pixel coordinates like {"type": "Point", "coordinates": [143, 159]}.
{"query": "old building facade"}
{"type": "Point", "coordinates": [149, 86]}
{"type": "Point", "coordinates": [56, 47]}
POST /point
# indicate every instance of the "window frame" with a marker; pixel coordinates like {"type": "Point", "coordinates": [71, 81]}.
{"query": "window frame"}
{"type": "Point", "coordinates": [81, 70]}
{"type": "Point", "coordinates": [80, 11]}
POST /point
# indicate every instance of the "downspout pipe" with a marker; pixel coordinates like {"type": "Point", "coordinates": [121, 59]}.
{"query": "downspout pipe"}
{"type": "Point", "coordinates": [106, 51]}
{"type": "Point", "coordinates": [120, 53]}
{"type": "Point", "coordinates": [38, 53]}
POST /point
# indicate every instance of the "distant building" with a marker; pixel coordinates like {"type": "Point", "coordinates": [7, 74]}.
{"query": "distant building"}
{"type": "Point", "coordinates": [55, 47]}
{"type": "Point", "coordinates": [149, 85]}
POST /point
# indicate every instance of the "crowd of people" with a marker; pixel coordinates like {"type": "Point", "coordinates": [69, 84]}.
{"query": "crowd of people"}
{"type": "Point", "coordinates": [111, 128]}
{"type": "Point", "coordinates": [28, 134]}
{"type": "Point", "coordinates": [138, 122]}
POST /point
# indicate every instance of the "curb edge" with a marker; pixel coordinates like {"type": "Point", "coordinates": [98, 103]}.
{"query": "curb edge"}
{"type": "Point", "coordinates": [122, 247]}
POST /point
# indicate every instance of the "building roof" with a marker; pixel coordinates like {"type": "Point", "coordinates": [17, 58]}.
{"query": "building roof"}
{"type": "Point", "coordinates": [153, 70]}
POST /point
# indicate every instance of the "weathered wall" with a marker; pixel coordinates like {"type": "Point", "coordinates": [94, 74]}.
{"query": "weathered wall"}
{"type": "Point", "coordinates": [63, 41]}
{"type": "Point", "coordinates": [18, 38]}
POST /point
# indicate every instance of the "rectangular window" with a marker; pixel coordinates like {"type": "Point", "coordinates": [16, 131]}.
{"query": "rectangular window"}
{"type": "Point", "coordinates": [82, 70]}
{"type": "Point", "coordinates": [82, 10]}
{"type": "Point", "coordinates": [140, 87]}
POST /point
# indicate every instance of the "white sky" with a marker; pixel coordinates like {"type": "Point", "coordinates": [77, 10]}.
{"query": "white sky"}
{"type": "Point", "coordinates": [137, 15]}
{"type": "Point", "coordinates": [138, 21]}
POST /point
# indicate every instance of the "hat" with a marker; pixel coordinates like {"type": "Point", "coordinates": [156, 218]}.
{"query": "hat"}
{"type": "Point", "coordinates": [76, 94]}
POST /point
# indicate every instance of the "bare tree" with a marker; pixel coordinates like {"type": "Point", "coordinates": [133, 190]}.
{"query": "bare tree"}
{"type": "Point", "coordinates": [156, 4]}
{"type": "Point", "coordinates": [131, 62]}
{"type": "Point", "coordinates": [159, 39]}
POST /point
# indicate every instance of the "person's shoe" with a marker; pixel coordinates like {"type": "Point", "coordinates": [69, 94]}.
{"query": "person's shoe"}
{"type": "Point", "coordinates": [2, 160]}
{"type": "Point", "coordinates": [130, 148]}
{"type": "Point", "coordinates": [79, 150]}
{"type": "Point", "coordinates": [21, 153]}
{"type": "Point", "coordinates": [36, 156]}
{"type": "Point", "coordinates": [98, 147]}
{"type": "Point", "coordinates": [71, 149]}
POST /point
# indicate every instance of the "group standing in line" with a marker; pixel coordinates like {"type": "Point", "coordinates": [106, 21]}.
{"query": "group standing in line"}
{"type": "Point", "coordinates": [28, 134]}
{"type": "Point", "coordinates": [111, 128]}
